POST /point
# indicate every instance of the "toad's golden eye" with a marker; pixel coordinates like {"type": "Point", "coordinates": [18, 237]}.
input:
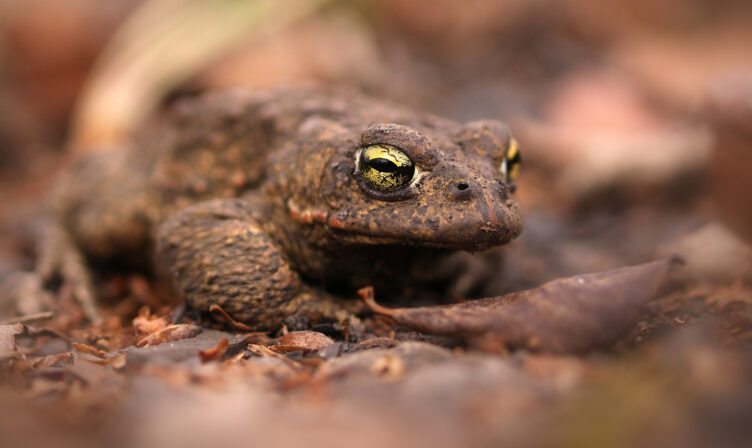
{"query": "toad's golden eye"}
{"type": "Point", "coordinates": [385, 168]}
{"type": "Point", "coordinates": [510, 167]}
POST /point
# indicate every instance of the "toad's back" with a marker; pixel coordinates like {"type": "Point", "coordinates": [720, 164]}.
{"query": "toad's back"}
{"type": "Point", "coordinates": [212, 147]}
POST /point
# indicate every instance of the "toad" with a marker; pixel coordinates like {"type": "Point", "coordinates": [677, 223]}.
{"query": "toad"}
{"type": "Point", "coordinates": [278, 203]}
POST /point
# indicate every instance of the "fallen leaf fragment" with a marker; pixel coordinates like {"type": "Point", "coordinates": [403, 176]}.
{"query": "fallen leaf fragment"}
{"type": "Point", "coordinates": [264, 352]}
{"type": "Point", "coordinates": [8, 334]}
{"type": "Point", "coordinates": [170, 334]}
{"type": "Point", "coordinates": [222, 316]}
{"type": "Point", "coordinates": [379, 342]}
{"type": "Point", "coordinates": [215, 353]}
{"type": "Point", "coordinates": [306, 341]}
{"type": "Point", "coordinates": [568, 315]}
{"type": "Point", "coordinates": [8, 339]}
{"type": "Point", "coordinates": [147, 323]}
{"type": "Point", "coordinates": [56, 360]}
{"type": "Point", "coordinates": [258, 337]}
{"type": "Point", "coordinates": [116, 361]}
{"type": "Point", "coordinates": [89, 350]}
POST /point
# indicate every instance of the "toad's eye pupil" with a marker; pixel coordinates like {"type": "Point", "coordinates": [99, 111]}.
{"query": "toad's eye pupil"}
{"type": "Point", "coordinates": [385, 168]}
{"type": "Point", "coordinates": [383, 165]}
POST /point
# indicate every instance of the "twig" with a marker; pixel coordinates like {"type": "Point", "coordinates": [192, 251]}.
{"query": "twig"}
{"type": "Point", "coordinates": [46, 315]}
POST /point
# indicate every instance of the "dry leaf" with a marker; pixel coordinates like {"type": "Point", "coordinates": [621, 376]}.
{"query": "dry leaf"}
{"type": "Point", "coordinates": [89, 350]}
{"type": "Point", "coordinates": [56, 360]}
{"type": "Point", "coordinates": [116, 361]}
{"type": "Point", "coordinates": [568, 315]}
{"type": "Point", "coordinates": [8, 339]}
{"type": "Point", "coordinates": [170, 334]}
{"type": "Point", "coordinates": [215, 353]}
{"type": "Point", "coordinates": [147, 323]}
{"type": "Point", "coordinates": [221, 315]}
{"type": "Point", "coordinates": [306, 341]}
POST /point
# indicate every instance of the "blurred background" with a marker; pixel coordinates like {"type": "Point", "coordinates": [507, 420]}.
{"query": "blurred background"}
{"type": "Point", "coordinates": [634, 118]}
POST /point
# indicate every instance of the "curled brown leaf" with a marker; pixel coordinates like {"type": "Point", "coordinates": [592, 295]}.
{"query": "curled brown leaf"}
{"type": "Point", "coordinates": [215, 353]}
{"type": "Point", "coordinates": [568, 315]}
{"type": "Point", "coordinates": [222, 316]}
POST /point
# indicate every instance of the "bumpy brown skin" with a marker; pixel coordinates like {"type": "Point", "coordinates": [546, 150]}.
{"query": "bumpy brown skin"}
{"type": "Point", "coordinates": [252, 200]}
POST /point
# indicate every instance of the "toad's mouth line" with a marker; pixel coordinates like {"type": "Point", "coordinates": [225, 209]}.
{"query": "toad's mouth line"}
{"type": "Point", "coordinates": [467, 244]}
{"type": "Point", "coordinates": [471, 238]}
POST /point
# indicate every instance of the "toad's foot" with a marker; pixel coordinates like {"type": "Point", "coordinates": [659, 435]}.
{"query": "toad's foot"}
{"type": "Point", "coordinates": [59, 257]}
{"type": "Point", "coordinates": [22, 293]}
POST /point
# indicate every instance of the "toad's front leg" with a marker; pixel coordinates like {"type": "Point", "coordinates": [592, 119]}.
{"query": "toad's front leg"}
{"type": "Point", "coordinates": [216, 253]}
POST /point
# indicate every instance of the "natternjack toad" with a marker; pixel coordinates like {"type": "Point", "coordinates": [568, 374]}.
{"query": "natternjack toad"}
{"type": "Point", "coordinates": [267, 203]}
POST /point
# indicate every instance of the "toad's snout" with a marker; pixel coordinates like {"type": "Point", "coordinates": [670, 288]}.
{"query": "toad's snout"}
{"type": "Point", "coordinates": [481, 208]}
{"type": "Point", "coordinates": [462, 190]}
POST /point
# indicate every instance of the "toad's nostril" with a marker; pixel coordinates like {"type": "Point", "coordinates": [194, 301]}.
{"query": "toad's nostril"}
{"type": "Point", "coordinates": [461, 190]}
